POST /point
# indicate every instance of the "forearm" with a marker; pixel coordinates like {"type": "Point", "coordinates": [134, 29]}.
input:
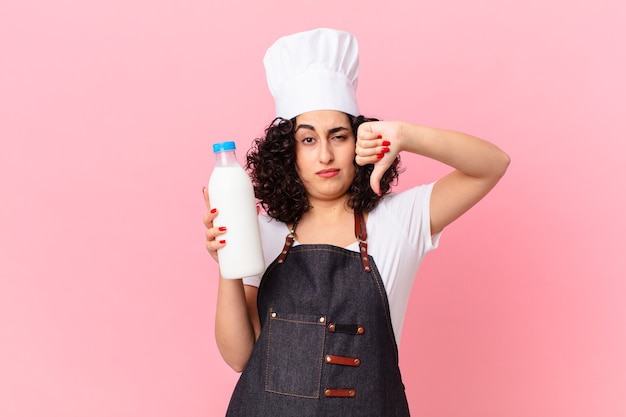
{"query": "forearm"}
{"type": "Point", "coordinates": [234, 330]}
{"type": "Point", "coordinates": [478, 166]}
{"type": "Point", "coordinates": [470, 155]}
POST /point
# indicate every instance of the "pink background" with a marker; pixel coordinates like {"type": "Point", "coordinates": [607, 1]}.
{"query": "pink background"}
{"type": "Point", "coordinates": [107, 113]}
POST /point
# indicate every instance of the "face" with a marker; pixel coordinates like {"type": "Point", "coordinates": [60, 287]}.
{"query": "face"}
{"type": "Point", "coordinates": [325, 147]}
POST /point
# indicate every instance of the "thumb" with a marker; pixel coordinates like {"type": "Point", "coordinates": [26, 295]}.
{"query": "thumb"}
{"type": "Point", "coordinates": [376, 176]}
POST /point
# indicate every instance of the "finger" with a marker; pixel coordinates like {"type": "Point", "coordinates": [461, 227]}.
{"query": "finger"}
{"type": "Point", "coordinates": [366, 147]}
{"type": "Point", "coordinates": [372, 155]}
{"type": "Point", "coordinates": [379, 170]}
{"type": "Point", "coordinates": [366, 131]}
{"type": "Point", "coordinates": [209, 216]}
{"type": "Point", "coordinates": [379, 148]}
{"type": "Point", "coordinates": [215, 240]}
{"type": "Point", "coordinates": [370, 159]}
{"type": "Point", "coordinates": [214, 233]}
{"type": "Point", "coordinates": [366, 144]}
{"type": "Point", "coordinates": [375, 178]}
{"type": "Point", "coordinates": [213, 246]}
{"type": "Point", "coordinates": [205, 192]}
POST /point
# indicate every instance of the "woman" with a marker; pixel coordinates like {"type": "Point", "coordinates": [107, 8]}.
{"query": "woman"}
{"type": "Point", "coordinates": [317, 334]}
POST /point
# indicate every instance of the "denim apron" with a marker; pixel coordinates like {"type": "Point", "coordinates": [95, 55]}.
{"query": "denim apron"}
{"type": "Point", "coordinates": [327, 347]}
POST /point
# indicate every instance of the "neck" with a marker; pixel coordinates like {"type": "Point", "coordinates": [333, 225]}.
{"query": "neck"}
{"type": "Point", "coordinates": [328, 210]}
{"type": "Point", "coordinates": [327, 222]}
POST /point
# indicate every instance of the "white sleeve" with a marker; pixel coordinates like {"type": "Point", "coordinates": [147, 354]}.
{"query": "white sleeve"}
{"type": "Point", "coordinates": [410, 210]}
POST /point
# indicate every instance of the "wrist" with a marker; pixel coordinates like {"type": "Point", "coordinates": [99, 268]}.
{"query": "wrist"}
{"type": "Point", "coordinates": [409, 136]}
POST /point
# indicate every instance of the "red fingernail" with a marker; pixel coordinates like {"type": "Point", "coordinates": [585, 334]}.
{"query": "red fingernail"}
{"type": "Point", "coordinates": [222, 242]}
{"type": "Point", "coordinates": [222, 229]}
{"type": "Point", "coordinates": [380, 155]}
{"type": "Point", "coordinates": [203, 190]}
{"type": "Point", "coordinates": [386, 143]}
{"type": "Point", "coordinates": [385, 150]}
{"type": "Point", "coordinates": [379, 137]}
{"type": "Point", "coordinates": [214, 210]}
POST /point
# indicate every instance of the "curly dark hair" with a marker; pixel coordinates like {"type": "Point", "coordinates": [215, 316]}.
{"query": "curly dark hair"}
{"type": "Point", "coordinates": [271, 162]}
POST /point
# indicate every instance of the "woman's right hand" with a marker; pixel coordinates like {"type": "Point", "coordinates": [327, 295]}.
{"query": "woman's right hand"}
{"type": "Point", "coordinates": [213, 243]}
{"type": "Point", "coordinates": [237, 324]}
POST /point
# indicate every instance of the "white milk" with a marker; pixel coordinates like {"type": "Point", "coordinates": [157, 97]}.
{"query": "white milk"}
{"type": "Point", "coordinates": [231, 193]}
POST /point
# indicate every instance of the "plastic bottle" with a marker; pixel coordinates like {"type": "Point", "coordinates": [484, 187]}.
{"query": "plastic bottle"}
{"type": "Point", "coordinates": [231, 192]}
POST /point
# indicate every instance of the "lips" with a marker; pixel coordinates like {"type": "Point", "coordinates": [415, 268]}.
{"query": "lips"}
{"type": "Point", "coordinates": [328, 173]}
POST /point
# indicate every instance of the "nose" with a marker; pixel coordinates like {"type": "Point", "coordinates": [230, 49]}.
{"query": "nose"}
{"type": "Point", "coordinates": [326, 152]}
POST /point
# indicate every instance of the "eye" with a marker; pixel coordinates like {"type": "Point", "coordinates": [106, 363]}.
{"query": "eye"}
{"type": "Point", "coordinates": [340, 137]}
{"type": "Point", "coordinates": [308, 140]}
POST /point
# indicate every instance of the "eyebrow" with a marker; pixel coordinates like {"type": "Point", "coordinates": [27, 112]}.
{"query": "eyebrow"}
{"type": "Point", "coordinates": [303, 126]}
{"type": "Point", "coordinates": [330, 131]}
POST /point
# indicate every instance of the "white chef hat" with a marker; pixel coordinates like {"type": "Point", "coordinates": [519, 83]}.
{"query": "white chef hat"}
{"type": "Point", "coordinates": [313, 70]}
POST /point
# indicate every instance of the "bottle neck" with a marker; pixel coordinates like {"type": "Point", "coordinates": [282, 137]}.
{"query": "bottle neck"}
{"type": "Point", "coordinates": [226, 159]}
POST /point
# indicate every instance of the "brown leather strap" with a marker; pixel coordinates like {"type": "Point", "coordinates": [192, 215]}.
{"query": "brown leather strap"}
{"type": "Point", "coordinates": [288, 244]}
{"type": "Point", "coordinates": [342, 360]}
{"type": "Point", "coordinates": [354, 329]}
{"type": "Point", "coordinates": [361, 233]}
{"type": "Point", "coordinates": [360, 230]}
{"type": "Point", "coordinates": [340, 392]}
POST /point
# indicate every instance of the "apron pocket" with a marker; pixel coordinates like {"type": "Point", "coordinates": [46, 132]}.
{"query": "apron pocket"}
{"type": "Point", "coordinates": [295, 351]}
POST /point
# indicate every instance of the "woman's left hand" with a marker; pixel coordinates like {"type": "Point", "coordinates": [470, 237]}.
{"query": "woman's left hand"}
{"type": "Point", "coordinates": [378, 143]}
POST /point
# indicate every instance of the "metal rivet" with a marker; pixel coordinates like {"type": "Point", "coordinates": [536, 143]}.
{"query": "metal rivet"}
{"type": "Point", "coordinates": [357, 361]}
{"type": "Point", "coordinates": [327, 392]}
{"type": "Point", "coordinates": [273, 315]}
{"type": "Point", "coordinates": [329, 359]}
{"type": "Point", "coordinates": [322, 319]}
{"type": "Point", "coordinates": [331, 327]}
{"type": "Point", "coordinates": [284, 252]}
{"type": "Point", "coordinates": [351, 393]}
{"type": "Point", "coordinates": [364, 258]}
{"type": "Point", "coordinates": [360, 330]}
{"type": "Point", "coordinates": [368, 269]}
{"type": "Point", "coordinates": [363, 249]}
{"type": "Point", "coordinates": [280, 261]}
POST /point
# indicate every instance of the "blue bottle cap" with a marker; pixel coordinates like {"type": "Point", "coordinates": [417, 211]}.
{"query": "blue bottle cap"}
{"type": "Point", "coordinates": [224, 146]}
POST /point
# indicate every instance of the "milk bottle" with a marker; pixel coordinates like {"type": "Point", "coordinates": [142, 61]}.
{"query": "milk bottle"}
{"type": "Point", "coordinates": [231, 192]}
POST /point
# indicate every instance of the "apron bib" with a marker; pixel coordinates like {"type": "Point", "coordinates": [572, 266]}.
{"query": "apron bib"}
{"type": "Point", "coordinates": [327, 346]}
